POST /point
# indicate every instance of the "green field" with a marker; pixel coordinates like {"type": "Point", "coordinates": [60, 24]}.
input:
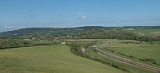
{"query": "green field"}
{"type": "Point", "coordinates": [42, 53]}
{"type": "Point", "coordinates": [141, 31]}
{"type": "Point", "coordinates": [49, 59]}
{"type": "Point", "coordinates": [134, 49]}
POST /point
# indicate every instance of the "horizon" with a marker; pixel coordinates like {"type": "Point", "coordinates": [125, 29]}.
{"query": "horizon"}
{"type": "Point", "coordinates": [78, 27]}
{"type": "Point", "coordinates": [19, 14]}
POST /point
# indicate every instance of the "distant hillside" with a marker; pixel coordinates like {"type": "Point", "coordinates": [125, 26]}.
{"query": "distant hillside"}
{"type": "Point", "coordinates": [50, 31]}
{"type": "Point", "coordinates": [143, 27]}
{"type": "Point", "coordinates": [55, 31]}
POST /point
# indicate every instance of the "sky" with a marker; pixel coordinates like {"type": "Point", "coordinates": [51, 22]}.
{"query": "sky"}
{"type": "Point", "coordinates": [16, 14]}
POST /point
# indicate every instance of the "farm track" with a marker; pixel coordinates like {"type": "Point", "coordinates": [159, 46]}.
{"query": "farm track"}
{"type": "Point", "coordinates": [127, 61]}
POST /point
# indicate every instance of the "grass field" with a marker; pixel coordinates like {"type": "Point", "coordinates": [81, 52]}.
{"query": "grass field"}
{"type": "Point", "coordinates": [116, 64]}
{"type": "Point", "coordinates": [49, 59]}
{"type": "Point", "coordinates": [147, 32]}
{"type": "Point", "coordinates": [136, 49]}
{"type": "Point", "coordinates": [93, 55]}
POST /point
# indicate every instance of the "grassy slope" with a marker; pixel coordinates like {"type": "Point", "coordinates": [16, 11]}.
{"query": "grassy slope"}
{"type": "Point", "coordinates": [142, 50]}
{"type": "Point", "coordinates": [119, 65]}
{"type": "Point", "coordinates": [48, 59]}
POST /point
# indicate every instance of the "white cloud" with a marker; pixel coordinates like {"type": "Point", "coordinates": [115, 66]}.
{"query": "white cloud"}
{"type": "Point", "coordinates": [82, 16]}
{"type": "Point", "coordinates": [8, 27]}
{"type": "Point", "coordinates": [13, 27]}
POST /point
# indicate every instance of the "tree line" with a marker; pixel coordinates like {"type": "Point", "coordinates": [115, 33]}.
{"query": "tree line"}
{"type": "Point", "coordinates": [114, 34]}
{"type": "Point", "coordinates": [12, 43]}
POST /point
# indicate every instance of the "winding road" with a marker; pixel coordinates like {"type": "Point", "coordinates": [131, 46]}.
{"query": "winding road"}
{"type": "Point", "coordinates": [127, 61]}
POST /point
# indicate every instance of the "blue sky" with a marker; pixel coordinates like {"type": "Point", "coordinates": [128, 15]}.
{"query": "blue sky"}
{"type": "Point", "coordinates": [15, 14]}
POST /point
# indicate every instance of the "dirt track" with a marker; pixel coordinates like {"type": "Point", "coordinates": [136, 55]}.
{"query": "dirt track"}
{"type": "Point", "coordinates": [127, 61]}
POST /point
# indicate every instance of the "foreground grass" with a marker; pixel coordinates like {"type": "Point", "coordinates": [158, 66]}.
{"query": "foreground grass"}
{"type": "Point", "coordinates": [48, 59]}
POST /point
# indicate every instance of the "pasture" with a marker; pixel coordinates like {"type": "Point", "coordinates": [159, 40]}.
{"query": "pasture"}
{"type": "Point", "coordinates": [147, 32]}
{"type": "Point", "coordinates": [146, 51]}
{"type": "Point", "coordinates": [48, 59]}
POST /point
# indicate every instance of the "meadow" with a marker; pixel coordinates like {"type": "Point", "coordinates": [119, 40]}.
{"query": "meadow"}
{"type": "Point", "coordinates": [147, 32]}
{"type": "Point", "coordinates": [49, 59]}
{"type": "Point", "coordinates": [93, 55]}
{"type": "Point", "coordinates": [144, 51]}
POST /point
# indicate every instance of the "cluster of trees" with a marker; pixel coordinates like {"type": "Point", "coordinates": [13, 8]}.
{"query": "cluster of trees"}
{"type": "Point", "coordinates": [148, 38]}
{"type": "Point", "coordinates": [15, 43]}
{"type": "Point", "coordinates": [76, 48]}
{"type": "Point", "coordinates": [106, 34]}
{"type": "Point", "coordinates": [12, 43]}
{"type": "Point", "coordinates": [114, 34]}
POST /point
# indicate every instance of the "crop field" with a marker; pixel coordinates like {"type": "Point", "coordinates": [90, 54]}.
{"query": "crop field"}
{"type": "Point", "coordinates": [48, 59]}
{"type": "Point", "coordinates": [144, 51]}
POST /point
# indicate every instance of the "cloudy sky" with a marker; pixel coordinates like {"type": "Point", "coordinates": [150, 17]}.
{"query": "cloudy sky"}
{"type": "Point", "coordinates": [15, 14]}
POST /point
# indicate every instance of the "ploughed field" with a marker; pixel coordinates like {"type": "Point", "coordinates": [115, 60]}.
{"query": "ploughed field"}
{"type": "Point", "coordinates": [49, 59]}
